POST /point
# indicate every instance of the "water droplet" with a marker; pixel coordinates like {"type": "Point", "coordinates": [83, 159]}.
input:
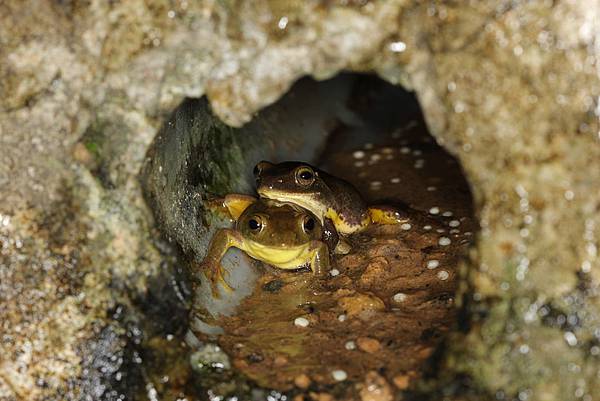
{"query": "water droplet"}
{"type": "Point", "coordinates": [397, 47]}
{"type": "Point", "coordinates": [570, 338]}
{"type": "Point", "coordinates": [283, 22]}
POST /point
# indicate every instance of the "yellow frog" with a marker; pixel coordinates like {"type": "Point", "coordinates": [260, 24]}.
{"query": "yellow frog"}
{"type": "Point", "coordinates": [280, 234]}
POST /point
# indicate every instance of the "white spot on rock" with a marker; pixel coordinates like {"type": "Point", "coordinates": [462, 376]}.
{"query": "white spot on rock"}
{"type": "Point", "coordinates": [339, 375]}
{"type": "Point", "coordinates": [444, 241]}
{"type": "Point", "coordinates": [399, 297]}
{"type": "Point", "coordinates": [301, 322]}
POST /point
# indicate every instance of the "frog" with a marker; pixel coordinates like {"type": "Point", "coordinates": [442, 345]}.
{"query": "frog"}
{"type": "Point", "coordinates": [326, 196]}
{"type": "Point", "coordinates": [280, 234]}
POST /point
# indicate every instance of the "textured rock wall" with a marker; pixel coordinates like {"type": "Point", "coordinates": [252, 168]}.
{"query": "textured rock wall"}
{"type": "Point", "coordinates": [511, 88]}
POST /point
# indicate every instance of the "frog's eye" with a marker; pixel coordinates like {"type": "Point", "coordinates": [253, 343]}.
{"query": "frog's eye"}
{"type": "Point", "coordinates": [305, 176]}
{"type": "Point", "coordinates": [255, 224]}
{"type": "Point", "coordinates": [308, 224]}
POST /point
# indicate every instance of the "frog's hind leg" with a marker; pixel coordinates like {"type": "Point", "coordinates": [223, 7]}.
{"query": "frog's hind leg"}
{"type": "Point", "coordinates": [384, 214]}
{"type": "Point", "coordinates": [211, 264]}
{"type": "Point", "coordinates": [319, 261]}
{"type": "Point", "coordinates": [232, 205]}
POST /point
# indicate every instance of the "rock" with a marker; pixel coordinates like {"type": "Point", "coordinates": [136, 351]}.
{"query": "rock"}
{"type": "Point", "coordinates": [510, 90]}
{"type": "Point", "coordinates": [302, 381]}
{"type": "Point", "coordinates": [369, 345]}
{"type": "Point", "coordinates": [375, 388]}
{"type": "Point", "coordinates": [361, 305]}
{"type": "Point", "coordinates": [402, 381]}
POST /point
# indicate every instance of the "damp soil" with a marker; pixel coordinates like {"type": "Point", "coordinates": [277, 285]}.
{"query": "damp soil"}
{"type": "Point", "coordinates": [379, 315]}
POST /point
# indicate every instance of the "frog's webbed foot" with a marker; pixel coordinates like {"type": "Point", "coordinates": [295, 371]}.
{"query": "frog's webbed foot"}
{"type": "Point", "coordinates": [384, 214]}
{"type": "Point", "coordinates": [232, 205]}
{"type": "Point", "coordinates": [211, 265]}
{"type": "Point", "coordinates": [320, 262]}
{"type": "Point", "coordinates": [215, 274]}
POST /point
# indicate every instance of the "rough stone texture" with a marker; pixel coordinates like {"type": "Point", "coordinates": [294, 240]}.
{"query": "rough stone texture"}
{"type": "Point", "coordinates": [511, 88]}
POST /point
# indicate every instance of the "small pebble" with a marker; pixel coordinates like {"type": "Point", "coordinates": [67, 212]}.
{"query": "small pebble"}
{"type": "Point", "coordinates": [375, 156]}
{"type": "Point", "coordinates": [359, 164]}
{"type": "Point", "coordinates": [395, 180]}
{"type": "Point", "coordinates": [405, 226]}
{"type": "Point", "coordinates": [399, 297]}
{"type": "Point", "coordinates": [434, 210]}
{"type": "Point", "coordinates": [334, 272]}
{"type": "Point", "coordinates": [443, 275]}
{"type": "Point", "coordinates": [350, 345]}
{"type": "Point", "coordinates": [443, 241]}
{"type": "Point", "coordinates": [454, 231]}
{"type": "Point", "coordinates": [359, 154]}
{"type": "Point", "coordinates": [301, 322]}
{"type": "Point", "coordinates": [405, 150]}
{"type": "Point", "coordinates": [302, 381]}
{"type": "Point", "coordinates": [417, 152]}
{"type": "Point", "coordinates": [339, 375]}
{"type": "Point", "coordinates": [454, 223]}
{"type": "Point", "coordinates": [368, 345]}
{"type": "Point", "coordinates": [440, 230]}
{"type": "Point", "coordinates": [389, 157]}
{"type": "Point", "coordinates": [342, 318]}
{"type": "Point", "coordinates": [427, 227]}
{"type": "Point", "coordinates": [387, 150]}
{"type": "Point", "coordinates": [431, 189]}
{"type": "Point", "coordinates": [433, 263]}
{"type": "Point", "coordinates": [447, 214]}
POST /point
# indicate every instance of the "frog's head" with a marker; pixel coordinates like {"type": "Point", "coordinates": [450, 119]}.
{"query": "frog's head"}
{"type": "Point", "coordinates": [294, 182]}
{"type": "Point", "coordinates": [278, 225]}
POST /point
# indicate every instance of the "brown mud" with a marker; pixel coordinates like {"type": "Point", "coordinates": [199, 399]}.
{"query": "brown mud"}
{"type": "Point", "coordinates": [385, 306]}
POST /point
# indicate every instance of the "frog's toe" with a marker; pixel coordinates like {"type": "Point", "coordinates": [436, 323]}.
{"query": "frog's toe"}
{"type": "Point", "coordinates": [387, 215]}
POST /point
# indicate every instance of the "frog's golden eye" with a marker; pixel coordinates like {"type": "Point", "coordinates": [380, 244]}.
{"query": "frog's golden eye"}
{"type": "Point", "coordinates": [308, 225]}
{"type": "Point", "coordinates": [305, 176]}
{"type": "Point", "coordinates": [255, 224]}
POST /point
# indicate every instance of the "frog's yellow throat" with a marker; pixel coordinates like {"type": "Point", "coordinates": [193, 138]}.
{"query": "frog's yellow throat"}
{"type": "Point", "coordinates": [290, 257]}
{"type": "Point", "coordinates": [303, 200]}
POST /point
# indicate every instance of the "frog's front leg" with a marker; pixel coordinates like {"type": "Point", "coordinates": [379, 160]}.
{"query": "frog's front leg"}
{"type": "Point", "coordinates": [223, 239]}
{"type": "Point", "coordinates": [319, 261]}
{"type": "Point", "coordinates": [232, 205]}
{"type": "Point", "coordinates": [382, 214]}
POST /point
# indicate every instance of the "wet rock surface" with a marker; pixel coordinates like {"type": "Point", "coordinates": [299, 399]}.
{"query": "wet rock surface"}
{"type": "Point", "coordinates": [509, 87]}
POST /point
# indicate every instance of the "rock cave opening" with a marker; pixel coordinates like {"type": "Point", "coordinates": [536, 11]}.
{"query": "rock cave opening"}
{"type": "Point", "coordinates": [384, 308]}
